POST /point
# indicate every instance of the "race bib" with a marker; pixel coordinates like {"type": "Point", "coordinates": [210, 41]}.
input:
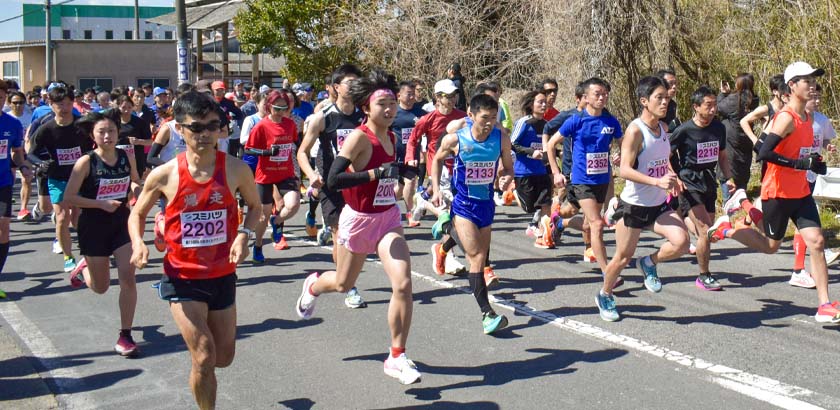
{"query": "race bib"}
{"type": "Point", "coordinates": [597, 163]}
{"type": "Point", "coordinates": [804, 152]}
{"type": "Point", "coordinates": [68, 156]}
{"type": "Point", "coordinates": [385, 192]}
{"type": "Point", "coordinates": [129, 149]}
{"type": "Point", "coordinates": [658, 168]}
{"type": "Point", "coordinates": [285, 151]}
{"type": "Point", "coordinates": [4, 149]}
{"type": "Point", "coordinates": [405, 134]}
{"type": "Point", "coordinates": [536, 146]}
{"type": "Point", "coordinates": [203, 228]}
{"type": "Point", "coordinates": [707, 152]}
{"type": "Point", "coordinates": [114, 188]}
{"type": "Point", "coordinates": [480, 172]}
{"type": "Point", "coordinates": [341, 136]}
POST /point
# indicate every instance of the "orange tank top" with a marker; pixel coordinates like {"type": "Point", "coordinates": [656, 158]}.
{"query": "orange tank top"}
{"type": "Point", "coordinates": [785, 182]}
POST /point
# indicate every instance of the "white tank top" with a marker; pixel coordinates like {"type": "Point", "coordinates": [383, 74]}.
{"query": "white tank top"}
{"type": "Point", "coordinates": [175, 146]}
{"type": "Point", "coordinates": [653, 162]}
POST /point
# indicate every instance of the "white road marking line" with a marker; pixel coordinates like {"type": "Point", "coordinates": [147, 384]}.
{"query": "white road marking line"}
{"type": "Point", "coordinates": [66, 379]}
{"type": "Point", "coordinates": [782, 395]}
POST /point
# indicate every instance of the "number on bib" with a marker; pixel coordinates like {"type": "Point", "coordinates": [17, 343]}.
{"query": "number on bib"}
{"type": "Point", "coordinates": [405, 134]}
{"type": "Point", "coordinates": [113, 188]}
{"type": "Point", "coordinates": [658, 168]}
{"type": "Point", "coordinates": [341, 136]}
{"type": "Point", "coordinates": [4, 149]}
{"type": "Point", "coordinates": [480, 172]}
{"type": "Point", "coordinates": [68, 156]}
{"type": "Point", "coordinates": [385, 192]}
{"type": "Point", "coordinates": [203, 228]}
{"type": "Point", "coordinates": [597, 163]}
{"type": "Point", "coordinates": [129, 149]}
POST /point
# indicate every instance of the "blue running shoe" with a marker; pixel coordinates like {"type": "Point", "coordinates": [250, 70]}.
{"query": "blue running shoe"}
{"type": "Point", "coordinates": [493, 322]}
{"type": "Point", "coordinates": [276, 234]}
{"type": "Point", "coordinates": [606, 307]}
{"type": "Point", "coordinates": [257, 254]}
{"type": "Point", "coordinates": [311, 229]}
{"type": "Point", "coordinates": [648, 269]}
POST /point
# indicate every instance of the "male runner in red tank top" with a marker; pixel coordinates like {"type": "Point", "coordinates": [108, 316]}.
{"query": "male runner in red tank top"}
{"type": "Point", "coordinates": [202, 243]}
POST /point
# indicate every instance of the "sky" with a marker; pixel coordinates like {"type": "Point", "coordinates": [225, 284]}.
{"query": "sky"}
{"type": "Point", "coordinates": [11, 30]}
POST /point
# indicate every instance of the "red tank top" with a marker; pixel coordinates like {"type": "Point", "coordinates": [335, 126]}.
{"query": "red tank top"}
{"type": "Point", "coordinates": [374, 196]}
{"type": "Point", "coordinates": [784, 182]}
{"type": "Point", "coordinates": [200, 225]}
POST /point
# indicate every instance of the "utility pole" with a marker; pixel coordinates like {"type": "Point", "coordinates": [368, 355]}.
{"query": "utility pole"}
{"type": "Point", "coordinates": [137, 19]}
{"type": "Point", "coordinates": [183, 48]}
{"type": "Point", "coordinates": [48, 42]}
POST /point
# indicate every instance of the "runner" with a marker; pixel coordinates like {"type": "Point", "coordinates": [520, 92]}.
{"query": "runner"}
{"type": "Point", "coordinates": [699, 145]}
{"type": "Point", "coordinates": [533, 184]}
{"type": "Point", "coordinates": [17, 102]}
{"type": "Point", "coordinates": [477, 149]}
{"type": "Point", "coordinates": [671, 119]}
{"type": "Point", "coordinates": [645, 151]}
{"type": "Point", "coordinates": [11, 153]}
{"type": "Point", "coordinates": [272, 141]}
{"type": "Point", "coordinates": [203, 246]}
{"type": "Point", "coordinates": [331, 128]}
{"type": "Point", "coordinates": [64, 143]}
{"type": "Point", "coordinates": [408, 113]}
{"type": "Point", "coordinates": [99, 184]}
{"type": "Point", "coordinates": [370, 221]}
{"type": "Point", "coordinates": [135, 133]}
{"type": "Point", "coordinates": [550, 87]}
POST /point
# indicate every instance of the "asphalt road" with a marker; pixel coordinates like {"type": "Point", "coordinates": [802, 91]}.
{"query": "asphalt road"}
{"type": "Point", "coordinates": [752, 346]}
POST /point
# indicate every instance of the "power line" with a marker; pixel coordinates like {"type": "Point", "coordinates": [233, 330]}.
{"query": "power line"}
{"type": "Point", "coordinates": [34, 11]}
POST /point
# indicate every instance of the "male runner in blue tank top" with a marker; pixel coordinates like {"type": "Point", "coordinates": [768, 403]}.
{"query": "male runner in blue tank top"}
{"type": "Point", "coordinates": [477, 148]}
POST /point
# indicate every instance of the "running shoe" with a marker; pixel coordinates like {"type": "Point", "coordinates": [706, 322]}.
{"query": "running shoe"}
{"type": "Point", "coordinates": [160, 242]}
{"type": "Point", "coordinates": [692, 249]}
{"type": "Point", "coordinates": [508, 198]}
{"type": "Point", "coordinates": [609, 215]}
{"type": "Point", "coordinates": [282, 245]}
{"type": "Point", "coordinates": [69, 264]}
{"type": "Point", "coordinates": [418, 211]}
{"type": "Point", "coordinates": [276, 233]}
{"type": "Point", "coordinates": [2, 294]}
{"type": "Point", "coordinates": [490, 278]}
{"type": "Point", "coordinates": [126, 347]}
{"type": "Point", "coordinates": [755, 214]}
{"type": "Point", "coordinates": [77, 278]}
{"type": "Point", "coordinates": [648, 269]}
{"type": "Point", "coordinates": [437, 228]}
{"type": "Point", "coordinates": [37, 216]}
{"type": "Point", "coordinates": [707, 282]}
{"type": "Point", "coordinates": [606, 307]}
{"type": "Point", "coordinates": [828, 313]}
{"type": "Point", "coordinates": [493, 322]}
{"type": "Point", "coordinates": [543, 244]}
{"type": "Point", "coordinates": [353, 299]}
{"type": "Point", "coordinates": [311, 229]}
{"type": "Point", "coordinates": [438, 259]}
{"type": "Point", "coordinates": [401, 369]}
{"type": "Point", "coordinates": [257, 254]}
{"type": "Point", "coordinates": [589, 256]}
{"type": "Point", "coordinates": [241, 213]}
{"type": "Point", "coordinates": [52, 217]}
{"type": "Point", "coordinates": [716, 231]}
{"type": "Point", "coordinates": [497, 198]}
{"type": "Point", "coordinates": [532, 231]}
{"type": "Point", "coordinates": [733, 204]}
{"type": "Point", "coordinates": [410, 223]}
{"type": "Point", "coordinates": [556, 229]}
{"type": "Point", "coordinates": [547, 231]}
{"type": "Point", "coordinates": [324, 236]}
{"type": "Point", "coordinates": [830, 256]}
{"type": "Point", "coordinates": [56, 247]}
{"type": "Point", "coordinates": [24, 215]}
{"type": "Point", "coordinates": [305, 305]}
{"type": "Point", "coordinates": [453, 267]}
{"type": "Point", "coordinates": [802, 279]}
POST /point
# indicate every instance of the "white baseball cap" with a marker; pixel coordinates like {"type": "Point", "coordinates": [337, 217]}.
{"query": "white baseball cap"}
{"type": "Point", "coordinates": [445, 87]}
{"type": "Point", "coordinates": [264, 89]}
{"type": "Point", "coordinates": [801, 69]}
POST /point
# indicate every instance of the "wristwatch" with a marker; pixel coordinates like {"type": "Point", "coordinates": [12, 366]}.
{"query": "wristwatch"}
{"type": "Point", "coordinates": [249, 233]}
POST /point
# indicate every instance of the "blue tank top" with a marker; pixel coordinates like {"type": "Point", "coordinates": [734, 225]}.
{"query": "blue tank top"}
{"type": "Point", "coordinates": [476, 164]}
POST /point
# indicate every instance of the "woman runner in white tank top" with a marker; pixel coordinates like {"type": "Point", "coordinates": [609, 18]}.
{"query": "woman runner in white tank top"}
{"type": "Point", "coordinates": [645, 150]}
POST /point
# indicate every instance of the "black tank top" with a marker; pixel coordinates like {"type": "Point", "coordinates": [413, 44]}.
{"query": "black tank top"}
{"type": "Point", "coordinates": [105, 181]}
{"type": "Point", "coordinates": [337, 126]}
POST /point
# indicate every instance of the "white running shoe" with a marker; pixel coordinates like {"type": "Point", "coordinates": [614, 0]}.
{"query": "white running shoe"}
{"type": "Point", "coordinates": [802, 279]}
{"type": "Point", "coordinates": [402, 369]}
{"type": "Point", "coordinates": [453, 267]}
{"type": "Point", "coordinates": [532, 231]}
{"type": "Point", "coordinates": [353, 299]}
{"type": "Point", "coordinates": [305, 305]}
{"type": "Point", "coordinates": [609, 216]}
{"type": "Point", "coordinates": [692, 249]}
{"type": "Point", "coordinates": [830, 256]}
{"type": "Point", "coordinates": [497, 198]}
{"type": "Point", "coordinates": [419, 207]}
{"type": "Point", "coordinates": [56, 247]}
{"type": "Point", "coordinates": [734, 203]}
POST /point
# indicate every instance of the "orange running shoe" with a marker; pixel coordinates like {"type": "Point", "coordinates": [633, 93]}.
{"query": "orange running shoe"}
{"type": "Point", "coordinates": [490, 278]}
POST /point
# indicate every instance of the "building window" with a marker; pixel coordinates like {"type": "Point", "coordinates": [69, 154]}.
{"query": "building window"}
{"type": "Point", "coordinates": [148, 34]}
{"type": "Point", "coordinates": [167, 35]}
{"type": "Point", "coordinates": [129, 34]}
{"type": "Point", "coordinates": [155, 82]}
{"type": "Point", "coordinates": [88, 35]}
{"type": "Point", "coordinates": [65, 34]}
{"type": "Point", "coordinates": [109, 34]}
{"type": "Point", "coordinates": [107, 84]}
{"type": "Point", "coordinates": [10, 70]}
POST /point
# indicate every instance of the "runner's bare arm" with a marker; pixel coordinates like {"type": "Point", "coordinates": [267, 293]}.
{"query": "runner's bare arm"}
{"type": "Point", "coordinates": [313, 130]}
{"type": "Point", "coordinates": [748, 120]}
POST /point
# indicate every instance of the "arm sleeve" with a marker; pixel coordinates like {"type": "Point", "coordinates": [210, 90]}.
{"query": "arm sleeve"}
{"type": "Point", "coordinates": [153, 159]}
{"type": "Point", "coordinates": [339, 178]}
{"type": "Point", "coordinates": [768, 154]}
{"type": "Point", "coordinates": [35, 148]}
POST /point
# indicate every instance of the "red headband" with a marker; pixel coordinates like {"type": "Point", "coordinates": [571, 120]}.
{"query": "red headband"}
{"type": "Point", "coordinates": [382, 92]}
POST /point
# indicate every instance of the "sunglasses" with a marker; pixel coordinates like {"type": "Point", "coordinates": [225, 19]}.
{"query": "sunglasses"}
{"type": "Point", "coordinates": [198, 127]}
{"type": "Point", "coordinates": [550, 91]}
{"type": "Point", "coordinates": [441, 95]}
{"type": "Point", "coordinates": [280, 107]}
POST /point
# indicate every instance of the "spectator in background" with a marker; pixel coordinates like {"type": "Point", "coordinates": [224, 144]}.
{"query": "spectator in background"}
{"type": "Point", "coordinates": [104, 100]}
{"type": "Point", "coordinates": [148, 91]}
{"type": "Point", "coordinates": [90, 97]}
{"type": "Point", "coordinates": [549, 86]}
{"type": "Point", "coordinates": [455, 75]}
{"type": "Point", "coordinates": [303, 92]}
{"type": "Point", "coordinates": [732, 107]}
{"type": "Point", "coordinates": [161, 104]}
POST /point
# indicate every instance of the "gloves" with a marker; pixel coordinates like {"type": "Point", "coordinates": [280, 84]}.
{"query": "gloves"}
{"type": "Point", "coordinates": [407, 171]}
{"type": "Point", "coordinates": [387, 171]}
{"type": "Point", "coordinates": [813, 162]}
{"type": "Point", "coordinates": [275, 149]}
